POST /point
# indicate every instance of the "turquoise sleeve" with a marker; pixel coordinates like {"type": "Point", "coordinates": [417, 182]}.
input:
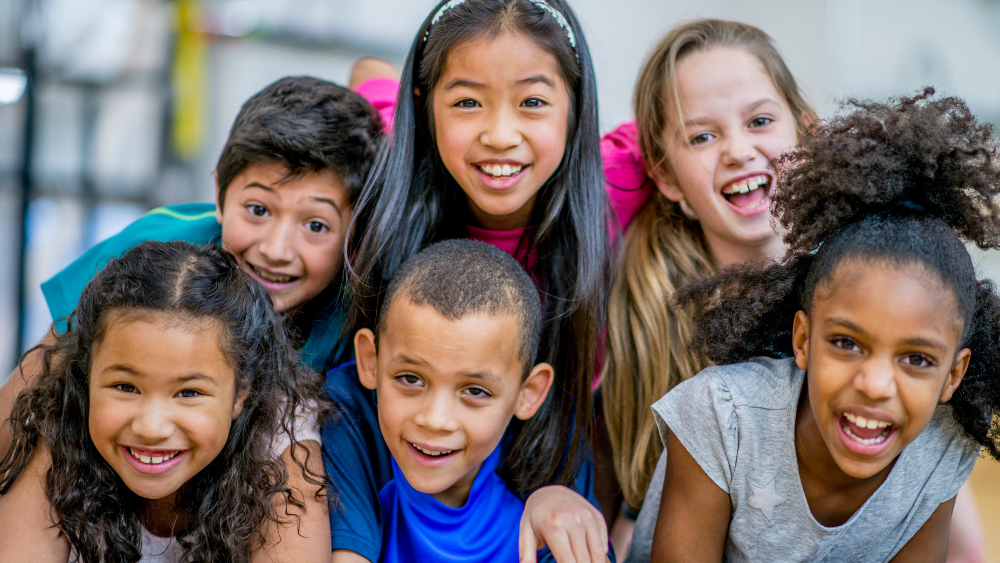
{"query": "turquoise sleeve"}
{"type": "Point", "coordinates": [192, 222]}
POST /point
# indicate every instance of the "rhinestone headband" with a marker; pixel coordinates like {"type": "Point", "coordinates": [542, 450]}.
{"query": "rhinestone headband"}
{"type": "Point", "coordinates": [560, 19]}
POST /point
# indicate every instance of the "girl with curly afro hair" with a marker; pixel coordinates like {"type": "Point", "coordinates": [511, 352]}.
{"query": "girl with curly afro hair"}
{"type": "Point", "coordinates": [164, 425]}
{"type": "Point", "coordinates": [857, 379]}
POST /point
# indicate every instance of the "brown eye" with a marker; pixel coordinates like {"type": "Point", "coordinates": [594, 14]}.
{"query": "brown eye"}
{"type": "Point", "coordinates": [760, 121]}
{"type": "Point", "coordinates": [467, 103]}
{"type": "Point", "coordinates": [257, 210]}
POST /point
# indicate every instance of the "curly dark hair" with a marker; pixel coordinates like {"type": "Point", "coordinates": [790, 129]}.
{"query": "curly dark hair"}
{"type": "Point", "coordinates": [305, 124]}
{"type": "Point", "coordinates": [226, 503]}
{"type": "Point", "coordinates": [904, 182]}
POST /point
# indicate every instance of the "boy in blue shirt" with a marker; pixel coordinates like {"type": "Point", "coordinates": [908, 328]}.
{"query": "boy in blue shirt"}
{"type": "Point", "coordinates": [451, 363]}
{"type": "Point", "coordinates": [292, 167]}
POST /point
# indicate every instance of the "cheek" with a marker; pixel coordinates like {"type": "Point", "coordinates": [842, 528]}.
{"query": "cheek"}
{"type": "Point", "coordinates": [238, 235]}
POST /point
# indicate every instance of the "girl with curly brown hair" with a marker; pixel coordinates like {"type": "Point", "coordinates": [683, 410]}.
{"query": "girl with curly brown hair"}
{"type": "Point", "coordinates": [165, 424]}
{"type": "Point", "coordinates": [859, 377]}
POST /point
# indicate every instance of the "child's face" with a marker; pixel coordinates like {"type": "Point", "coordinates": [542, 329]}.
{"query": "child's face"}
{"type": "Point", "coordinates": [446, 391]}
{"type": "Point", "coordinates": [736, 123]}
{"type": "Point", "coordinates": [162, 398]}
{"type": "Point", "coordinates": [287, 233]}
{"type": "Point", "coordinates": [500, 116]}
{"type": "Point", "coordinates": [881, 350]}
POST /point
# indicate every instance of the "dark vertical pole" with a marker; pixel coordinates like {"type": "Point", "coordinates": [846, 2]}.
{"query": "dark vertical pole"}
{"type": "Point", "coordinates": [30, 71]}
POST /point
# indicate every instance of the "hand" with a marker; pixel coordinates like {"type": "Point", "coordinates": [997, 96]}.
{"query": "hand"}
{"type": "Point", "coordinates": [565, 521]}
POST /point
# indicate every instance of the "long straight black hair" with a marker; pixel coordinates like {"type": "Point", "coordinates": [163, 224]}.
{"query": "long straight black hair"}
{"type": "Point", "coordinates": [410, 200]}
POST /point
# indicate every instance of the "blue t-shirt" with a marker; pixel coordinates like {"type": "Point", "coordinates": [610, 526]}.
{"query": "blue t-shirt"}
{"type": "Point", "coordinates": [418, 528]}
{"type": "Point", "coordinates": [194, 223]}
{"type": "Point", "coordinates": [359, 466]}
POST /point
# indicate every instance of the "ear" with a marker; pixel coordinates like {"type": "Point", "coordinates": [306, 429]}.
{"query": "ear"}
{"type": "Point", "coordinates": [366, 356]}
{"type": "Point", "coordinates": [666, 183]}
{"type": "Point", "coordinates": [533, 391]}
{"type": "Point", "coordinates": [810, 124]}
{"type": "Point", "coordinates": [238, 404]}
{"type": "Point", "coordinates": [956, 374]}
{"type": "Point", "coordinates": [218, 201]}
{"type": "Point", "coordinates": [800, 339]}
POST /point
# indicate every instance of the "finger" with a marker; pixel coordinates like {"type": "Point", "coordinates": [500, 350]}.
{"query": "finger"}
{"type": "Point", "coordinates": [578, 539]}
{"type": "Point", "coordinates": [597, 542]}
{"type": "Point", "coordinates": [527, 543]}
{"type": "Point", "coordinates": [602, 527]}
{"type": "Point", "coordinates": [561, 548]}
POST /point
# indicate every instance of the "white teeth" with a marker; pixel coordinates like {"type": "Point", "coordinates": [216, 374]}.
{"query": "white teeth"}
{"type": "Point", "coordinates": [872, 424]}
{"type": "Point", "coordinates": [862, 422]}
{"type": "Point", "coordinates": [746, 186]}
{"type": "Point", "coordinates": [500, 170]}
{"type": "Point", "coordinates": [432, 453]}
{"type": "Point", "coordinates": [153, 460]}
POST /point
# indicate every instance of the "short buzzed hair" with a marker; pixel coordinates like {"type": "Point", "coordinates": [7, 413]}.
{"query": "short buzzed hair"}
{"type": "Point", "coordinates": [460, 277]}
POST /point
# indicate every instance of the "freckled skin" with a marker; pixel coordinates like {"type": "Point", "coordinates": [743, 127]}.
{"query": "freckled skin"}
{"type": "Point", "coordinates": [484, 112]}
{"type": "Point", "coordinates": [738, 123]}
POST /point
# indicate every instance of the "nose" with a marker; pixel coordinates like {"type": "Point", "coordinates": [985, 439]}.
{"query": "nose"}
{"type": "Point", "coordinates": [278, 246]}
{"type": "Point", "coordinates": [436, 414]}
{"type": "Point", "coordinates": [738, 149]}
{"type": "Point", "coordinates": [153, 423]}
{"type": "Point", "coordinates": [501, 131]}
{"type": "Point", "coordinates": [876, 379]}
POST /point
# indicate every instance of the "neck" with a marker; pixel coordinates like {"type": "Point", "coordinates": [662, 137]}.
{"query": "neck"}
{"type": "Point", "coordinates": [457, 495]}
{"type": "Point", "coordinates": [726, 253]}
{"type": "Point", "coordinates": [512, 221]}
{"type": "Point", "coordinates": [162, 517]}
{"type": "Point", "coordinates": [833, 496]}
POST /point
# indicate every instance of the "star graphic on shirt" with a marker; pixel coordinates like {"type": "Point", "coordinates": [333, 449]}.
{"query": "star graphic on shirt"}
{"type": "Point", "coordinates": [764, 498]}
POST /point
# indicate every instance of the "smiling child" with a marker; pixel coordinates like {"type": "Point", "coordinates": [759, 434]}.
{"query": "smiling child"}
{"type": "Point", "coordinates": [869, 377]}
{"type": "Point", "coordinates": [286, 182]}
{"type": "Point", "coordinates": [157, 427]}
{"type": "Point", "coordinates": [451, 362]}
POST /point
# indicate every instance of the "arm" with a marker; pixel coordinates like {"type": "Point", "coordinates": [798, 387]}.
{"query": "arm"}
{"type": "Point", "coordinates": [348, 556]}
{"type": "Point", "coordinates": [27, 531]}
{"type": "Point", "coordinates": [930, 543]}
{"type": "Point", "coordinates": [305, 535]}
{"type": "Point", "coordinates": [367, 68]}
{"type": "Point", "coordinates": [23, 375]}
{"type": "Point", "coordinates": [565, 521]}
{"type": "Point", "coordinates": [694, 512]}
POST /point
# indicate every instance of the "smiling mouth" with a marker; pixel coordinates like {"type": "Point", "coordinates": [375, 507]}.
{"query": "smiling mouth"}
{"type": "Point", "coordinates": [268, 276]}
{"type": "Point", "coordinates": [153, 460]}
{"type": "Point", "coordinates": [749, 192]}
{"type": "Point", "coordinates": [864, 431]}
{"type": "Point", "coordinates": [431, 453]}
{"type": "Point", "coordinates": [500, 170]}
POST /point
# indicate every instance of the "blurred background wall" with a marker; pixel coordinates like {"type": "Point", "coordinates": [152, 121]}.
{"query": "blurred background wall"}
{"type": "Point", "coordinates": [132, 99]}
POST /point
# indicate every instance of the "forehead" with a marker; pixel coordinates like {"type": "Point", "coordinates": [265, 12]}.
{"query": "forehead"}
{"type": "Point", "coordinates": [499, 61]}
{"type": "Point", "coordinates": [470, 343]}
{"type": "Point", "coordinates": [722, 78]}
{"type": "Point", "coordinates": [164, 346]}
{"type": "Point", "coordinates": [901, 301]}
{"type": "Point", "coordinates": [297, 189]}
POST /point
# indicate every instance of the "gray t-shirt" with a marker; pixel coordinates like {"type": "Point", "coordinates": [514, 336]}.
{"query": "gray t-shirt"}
{"type": "Point", "coordinates": [738, 423]}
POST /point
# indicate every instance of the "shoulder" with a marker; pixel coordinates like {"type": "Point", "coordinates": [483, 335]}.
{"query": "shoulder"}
{"type": "Point", "coordinates": [944, 446]}
{"type": "Point", "coordinates": [760, 383]}
{"type": "Point", "coordinates": [190, 222]}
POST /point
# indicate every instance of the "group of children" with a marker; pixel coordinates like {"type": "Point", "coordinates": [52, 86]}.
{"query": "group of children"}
{"type": "Point", "coordinates": [436, 317]}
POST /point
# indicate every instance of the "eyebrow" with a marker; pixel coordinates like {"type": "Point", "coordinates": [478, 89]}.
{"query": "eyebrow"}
{"type": "Point", "coordinates": [314, 198]}
{"type": "Point", "coordinates": [182, 379]}
{"type": "Point", "coordinates": [749, 107]}
{"type": "Point", "coordinates": [537, 79]}
{"type": "Point", "coordinates": [483, 375]}
{"type": "Point", "coordinates": [908, 342]}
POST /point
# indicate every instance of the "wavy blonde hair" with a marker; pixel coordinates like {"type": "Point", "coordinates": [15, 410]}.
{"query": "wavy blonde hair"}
{"type": "Point", "coordinates": [647, 335]}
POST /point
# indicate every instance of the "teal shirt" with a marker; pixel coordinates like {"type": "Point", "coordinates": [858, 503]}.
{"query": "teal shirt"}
{"type": "Point", "coordinates": [194, 223]}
